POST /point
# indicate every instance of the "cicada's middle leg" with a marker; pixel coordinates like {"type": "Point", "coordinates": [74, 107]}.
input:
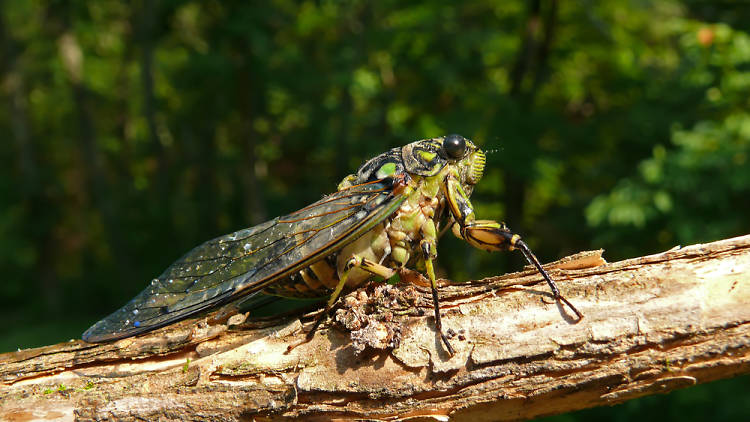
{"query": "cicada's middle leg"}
{"type": "Point", "coordinates": [491, 235]}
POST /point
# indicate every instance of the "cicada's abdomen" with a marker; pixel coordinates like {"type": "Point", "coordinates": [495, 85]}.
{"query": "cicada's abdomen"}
{"type": "Point", "coordinates": [321, 278]}
{"type": "Point", "coordinates": [315, 281]}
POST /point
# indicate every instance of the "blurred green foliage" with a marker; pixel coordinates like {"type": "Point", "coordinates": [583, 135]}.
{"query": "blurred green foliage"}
{"type": "Point", "coordinates": [136, 130]}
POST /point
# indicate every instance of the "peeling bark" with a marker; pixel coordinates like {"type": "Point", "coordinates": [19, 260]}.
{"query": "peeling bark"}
{"type": "Point", "coordinates": [652, 324]}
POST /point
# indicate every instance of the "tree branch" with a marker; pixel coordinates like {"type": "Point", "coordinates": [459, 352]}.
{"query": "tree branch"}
{"type": "Point", "coordinates": [652, 324]}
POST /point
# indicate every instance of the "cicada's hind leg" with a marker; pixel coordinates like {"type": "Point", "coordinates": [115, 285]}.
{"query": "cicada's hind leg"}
{"type": "Point", "coordinates": [353, 262]}
{"type": "Point", "coordinates": [491, 235]}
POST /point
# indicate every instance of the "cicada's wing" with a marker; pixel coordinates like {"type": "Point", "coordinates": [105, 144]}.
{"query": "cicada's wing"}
{"type": "Point", "coordinates": [243, 263]}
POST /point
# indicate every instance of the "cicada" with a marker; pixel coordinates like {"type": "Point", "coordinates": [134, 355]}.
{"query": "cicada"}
{"type": "Point", "coordinates": [382, 219]}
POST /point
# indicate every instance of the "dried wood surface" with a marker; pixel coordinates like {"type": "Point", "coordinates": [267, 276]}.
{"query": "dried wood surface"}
{"type": "Point", "coordinates": [652, 324]}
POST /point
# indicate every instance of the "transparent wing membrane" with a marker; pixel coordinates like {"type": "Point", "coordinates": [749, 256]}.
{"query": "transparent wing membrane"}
{"type": "Point", "coordinates": [242, 263]}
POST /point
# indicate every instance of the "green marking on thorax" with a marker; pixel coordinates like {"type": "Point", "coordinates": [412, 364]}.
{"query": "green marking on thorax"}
{"type": "Point", "coordinates": [386, 170]}
{"type": "Point", "coordinates": [426, 155]}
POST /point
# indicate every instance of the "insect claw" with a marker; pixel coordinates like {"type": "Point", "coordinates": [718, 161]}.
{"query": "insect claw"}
{"type": "Point", "coordinates": [572, 308]}
{"type": "Point", "coordinates": [294, 345]}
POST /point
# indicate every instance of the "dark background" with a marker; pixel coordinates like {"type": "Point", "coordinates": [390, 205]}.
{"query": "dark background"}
{"type": "Point", "coordinates": [135, 130]}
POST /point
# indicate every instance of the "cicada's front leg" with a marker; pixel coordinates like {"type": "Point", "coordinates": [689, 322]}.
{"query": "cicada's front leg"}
{"type": "Point", "coordinates": [491, 235]}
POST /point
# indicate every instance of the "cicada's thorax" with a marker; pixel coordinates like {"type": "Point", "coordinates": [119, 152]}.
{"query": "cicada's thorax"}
{"type": "Point", "coordinates": [394, 242]}
{"type": "Point", "coordinates": [415, 219]}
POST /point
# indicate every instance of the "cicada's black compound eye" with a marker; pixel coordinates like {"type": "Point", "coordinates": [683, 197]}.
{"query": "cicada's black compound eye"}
{"type": "Point", "coordinates": [454, 146]}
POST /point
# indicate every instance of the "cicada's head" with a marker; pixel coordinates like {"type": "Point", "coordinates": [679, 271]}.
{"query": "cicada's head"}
{"type": "Point", "coordinates": [425, 158]}
{"type": "Point", "coordinates": [430, 156]}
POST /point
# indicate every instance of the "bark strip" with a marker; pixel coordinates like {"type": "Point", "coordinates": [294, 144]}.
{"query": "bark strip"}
{"type": "Point", "coordinates": [652, 324]}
